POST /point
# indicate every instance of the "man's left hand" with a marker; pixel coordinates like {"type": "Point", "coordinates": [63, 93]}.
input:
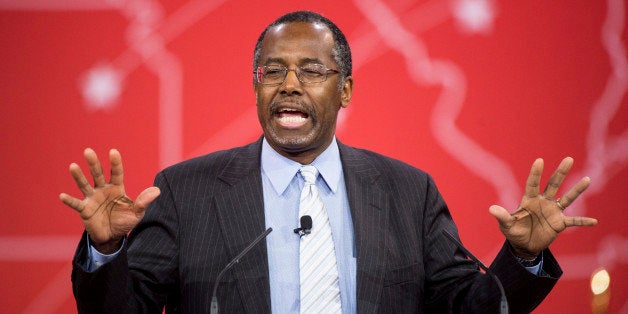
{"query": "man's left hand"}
{"type": "Point", "coordinates": [540, 218]}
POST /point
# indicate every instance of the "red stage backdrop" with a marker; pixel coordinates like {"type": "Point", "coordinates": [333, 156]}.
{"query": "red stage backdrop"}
{"type": "Point", "coordinates": [471, 91]}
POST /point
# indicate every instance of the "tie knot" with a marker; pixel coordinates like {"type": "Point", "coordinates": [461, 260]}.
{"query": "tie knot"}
{"type": "Point", "coordinates": [309, 173]}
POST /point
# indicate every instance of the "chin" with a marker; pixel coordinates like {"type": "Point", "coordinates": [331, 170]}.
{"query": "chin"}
{"type": "Point", "coordinates": [290, 144]}
{"type": "Point", "coordinates": [293, 144]}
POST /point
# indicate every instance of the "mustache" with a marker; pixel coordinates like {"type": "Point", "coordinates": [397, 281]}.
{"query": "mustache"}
{"type": "Point", "coordinates": [297, 104]}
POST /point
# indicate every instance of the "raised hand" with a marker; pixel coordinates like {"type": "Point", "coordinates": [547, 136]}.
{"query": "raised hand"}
{"type": "Point", "coordinates": [108, 214]}
{"type": "Point", "coordinates": [540, 218]}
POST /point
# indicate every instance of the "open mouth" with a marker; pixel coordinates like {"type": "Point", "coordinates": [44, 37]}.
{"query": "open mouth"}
{"type": "Point", "coordinates": [291, 117]}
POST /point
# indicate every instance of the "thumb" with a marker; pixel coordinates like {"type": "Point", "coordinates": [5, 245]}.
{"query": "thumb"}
{"type": "Point", "coordinates": [501, 214]}
{"type": "Point", "coordinates": [147, 196]}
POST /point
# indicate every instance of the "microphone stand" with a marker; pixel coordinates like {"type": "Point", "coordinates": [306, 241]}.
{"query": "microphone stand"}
{"type": "Point", "coordinates": [214, 304]}
{"type": "Point", "coordinates": [503, 304]}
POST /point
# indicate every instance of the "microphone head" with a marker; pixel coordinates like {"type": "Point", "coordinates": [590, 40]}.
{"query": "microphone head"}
{"type": "Point", "coordinates": [306, 222]}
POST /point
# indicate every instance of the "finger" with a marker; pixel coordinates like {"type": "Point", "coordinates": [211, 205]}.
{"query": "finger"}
{"type": "Point", "coordinates": [575, 191]}
{"type": "Point", "coordinates": [94, 167]}
{"type": "Point", "coordinates": [557, 178]}
{"type": "Point", "coordinates": [534, 179]}
{"type": "Point", "coordinates": [85, 187]}
{"type": "Point", "coordinates": [72, 202]}
{"type": "Point", "coordinates": [147, 196]}
{"type": "Point", "coordinates": [579, 221]}
{"type": "Point", "coordinates": [501, 214]}
{"type": "Point", "coordinates": [117, 173]}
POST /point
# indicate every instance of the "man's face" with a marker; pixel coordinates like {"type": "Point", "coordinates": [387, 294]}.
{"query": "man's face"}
{"type": "Point", "coordinates": [299, 120]}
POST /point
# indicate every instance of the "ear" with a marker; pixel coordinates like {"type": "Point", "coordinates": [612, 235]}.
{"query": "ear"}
{"type": "Point", "coordinates": [347, 92]}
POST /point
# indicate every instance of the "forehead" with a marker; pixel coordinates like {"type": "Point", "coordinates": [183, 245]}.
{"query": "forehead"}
{"type": "Point", "coordinates": [297, 41]}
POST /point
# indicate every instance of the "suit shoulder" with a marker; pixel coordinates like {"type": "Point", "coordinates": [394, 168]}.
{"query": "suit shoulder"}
{"type": "Point", "coordinates": [213, 162]}
{"type": "Point", "coordinates": [387, 165]}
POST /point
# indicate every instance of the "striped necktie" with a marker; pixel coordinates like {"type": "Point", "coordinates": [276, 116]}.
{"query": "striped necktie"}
{"type": "Point", "coordinates": [320, 292]}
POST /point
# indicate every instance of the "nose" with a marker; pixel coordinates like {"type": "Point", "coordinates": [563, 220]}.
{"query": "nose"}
{"type": "Point", "coordinates": [291, 85]}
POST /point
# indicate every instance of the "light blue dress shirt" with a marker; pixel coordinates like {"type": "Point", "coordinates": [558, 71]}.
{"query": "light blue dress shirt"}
{"type": "Point", "coordinates": [282, 184]}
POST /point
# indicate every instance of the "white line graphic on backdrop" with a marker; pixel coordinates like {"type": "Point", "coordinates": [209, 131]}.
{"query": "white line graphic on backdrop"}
{"type": "Point", "coordinates": [147, 35]}
{"type": "Point", "coordinates": [606, 155]}
{"type": "Point", "coordinates": [149, 31]}
{"type": "Point", "coordinates": [426, 71]}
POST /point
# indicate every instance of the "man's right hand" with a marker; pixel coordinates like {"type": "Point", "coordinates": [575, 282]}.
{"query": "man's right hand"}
{"type": "Point", "coordinates": [107, 213]}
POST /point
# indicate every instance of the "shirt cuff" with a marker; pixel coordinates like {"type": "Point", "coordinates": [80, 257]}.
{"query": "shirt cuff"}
{"type": "Point", "coordinates": [96, 259]}
{"type": "Point", "coordinates": [535, 269]}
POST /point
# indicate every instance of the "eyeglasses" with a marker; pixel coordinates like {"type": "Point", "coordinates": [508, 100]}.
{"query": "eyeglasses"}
{"type": "Point", "coordinates": [307, 74]}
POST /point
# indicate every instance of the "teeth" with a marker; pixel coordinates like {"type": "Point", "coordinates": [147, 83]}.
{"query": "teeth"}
{"type": "Point", "coordinates": [292, 119]}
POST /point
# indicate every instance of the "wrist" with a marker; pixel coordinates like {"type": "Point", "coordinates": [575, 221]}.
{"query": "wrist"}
{"type": "Point", "coordinates": [524, 254]}
{"type": "Point", "coordinates": [529, 262]}
{"type": "Point", "coordinates": [108, 247]}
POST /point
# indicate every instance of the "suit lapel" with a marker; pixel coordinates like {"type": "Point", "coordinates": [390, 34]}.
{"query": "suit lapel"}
{"type": "Point", "coordinates": [240, 208]}
{"type": "Point", "coordinates": [369, 211]}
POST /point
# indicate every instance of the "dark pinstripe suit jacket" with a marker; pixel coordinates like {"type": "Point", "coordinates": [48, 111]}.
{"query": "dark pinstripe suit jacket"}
{"type": "Point", "coordinates": [211, 207]}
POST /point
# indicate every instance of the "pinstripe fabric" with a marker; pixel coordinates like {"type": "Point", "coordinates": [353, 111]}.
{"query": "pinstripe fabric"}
{"type": "Point", "coordinates": [211, 207]}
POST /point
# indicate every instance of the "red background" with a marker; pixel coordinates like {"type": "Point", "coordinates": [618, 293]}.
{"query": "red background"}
{"type": "Point", "coordinates": [472, 106]}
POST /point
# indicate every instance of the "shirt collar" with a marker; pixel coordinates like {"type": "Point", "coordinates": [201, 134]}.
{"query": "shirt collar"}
{"type": "Point", "coordinates": [280, 170]}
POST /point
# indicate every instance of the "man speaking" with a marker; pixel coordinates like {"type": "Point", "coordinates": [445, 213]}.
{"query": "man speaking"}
{"type": "Point", "coordinates": [377, 242]}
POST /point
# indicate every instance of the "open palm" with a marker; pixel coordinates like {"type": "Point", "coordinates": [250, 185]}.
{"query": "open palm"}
{"type": "Point", "coordinates": [108, 214]}
{"type": "Point", "coordinates": [540, 218]}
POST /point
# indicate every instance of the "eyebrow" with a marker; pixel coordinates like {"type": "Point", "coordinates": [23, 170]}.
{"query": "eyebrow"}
{"type": "Point", "coordinates": [302, 61]}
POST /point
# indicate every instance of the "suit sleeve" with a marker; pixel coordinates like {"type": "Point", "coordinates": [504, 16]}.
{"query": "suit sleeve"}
{"type": "Point", "coordinates": [525, 290]}
{"type": "Point", "coordinates": [455, 284]}
{"type": "Point", "coordinates": [143, 277]}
